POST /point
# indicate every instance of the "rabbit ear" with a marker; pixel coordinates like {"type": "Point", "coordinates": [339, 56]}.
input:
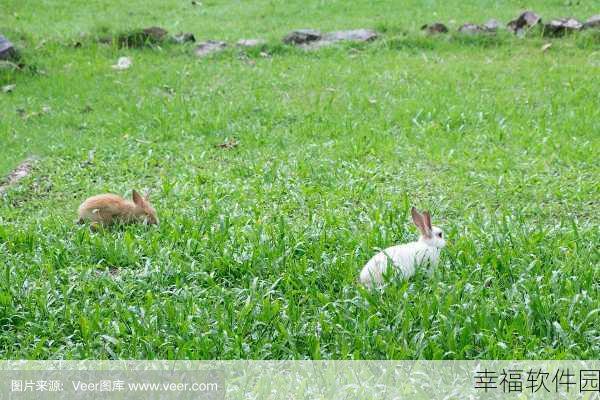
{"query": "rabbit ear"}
{"type": "Point", "coordinates": [420, 222]}
{"type": "Point", "coordinates": [417, 219]}
{"type": "Point", "coordinates": [137, 198]}
{"type": "Point", "coordinates": [427, 219]}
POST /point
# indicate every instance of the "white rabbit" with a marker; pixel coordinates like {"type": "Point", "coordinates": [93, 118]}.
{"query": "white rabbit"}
{"type": "Point", "coordinates": [406, 257]}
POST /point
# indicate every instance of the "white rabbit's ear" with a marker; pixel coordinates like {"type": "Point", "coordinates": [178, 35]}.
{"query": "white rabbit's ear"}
{"type": "Point", "coordinates": [427, 219]}
{"type": "Point", "coordinates": [419, 221]}
{"type": "Point", "coordinates": [416, 217]}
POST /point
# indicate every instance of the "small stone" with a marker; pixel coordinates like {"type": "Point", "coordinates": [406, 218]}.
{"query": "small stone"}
{"type": "Point", "coordinates": [138, 38]}
{"type": "Point", "coordinates": [123, 63]}
{"type": "Point", "coordinates": [7, 49]}
{"type": "Point", "coordinates": [8, 88]}
{"type": "Point", "coordinates": [530, 18]}
{"type": "Point", "coordinates": [471, 29]}
{"type": "Point", "coordinates": [210, 46]}
{"type": "Point", "coordinates": [354, 35]}
{"type": "Point", "coordinates": [250, 42]}
{"type": "Point", "coordinates": [526, 20]}
{"type": "Point", "coordinates": [592, 22]}
{"type": "Point", "coordinates": [435, 28]}
{"type": "Point", "coordinates": [562, 26]}
{"type": "Point", "coordinates": [302, 36]}
{"type": "Point", "coordinates": [155, 33]}
{"type": "Point", "coordinates": [491, 26]}
{"type": "Point", "coordinates": [184, 38]}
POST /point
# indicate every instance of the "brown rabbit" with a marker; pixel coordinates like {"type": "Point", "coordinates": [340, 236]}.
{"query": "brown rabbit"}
{"type": "Point", "coordinates": [106, 209]}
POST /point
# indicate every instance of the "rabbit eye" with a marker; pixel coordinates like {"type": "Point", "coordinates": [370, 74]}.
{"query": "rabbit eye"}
{"type": "Point", "coordinates": [440, 234]}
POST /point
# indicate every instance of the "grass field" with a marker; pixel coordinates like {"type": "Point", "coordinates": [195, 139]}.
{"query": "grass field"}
{"type": "Point", "coordinates": [259, 247]}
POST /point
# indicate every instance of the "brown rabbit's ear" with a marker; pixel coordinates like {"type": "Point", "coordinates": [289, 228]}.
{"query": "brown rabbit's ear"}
{"type": "Point", "coordinates": [427, 219]}
{"type": "Point", "coordinates": [137, 198]}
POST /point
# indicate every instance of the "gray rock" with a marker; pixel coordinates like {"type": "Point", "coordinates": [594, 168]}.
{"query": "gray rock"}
{"type": "Point", "coordinates": [138, 38]}
{"type": "Point", "coordinates": [592, 22]}
{"type": "Point", "coordinates": [302, 36]}
{"type": "Point", "coordinates": [354, 35]}
{"type": "Point", "coordinates": [7, 49]}
{"type": "Point", "coordinates": [155, 33]}
{"type": "Point", "coordinates": [524, 22]}
{"type": "Point", "coordinates": [562, 26]}
{"type": "Point", "coordinates": [184, 38]}
{"type": "Point", "coordinates": [8, 88]}
{"type": "Point", "coordinates": [312, 40]}
{"type": "Point", "coordinates": [209, 47]}
{"type": "Point", "coordinates": [250, 42]}
{"type": "Point", "coordinates": [491, 26]}
{"type": "Point", "coordinates": [471, 29]}
{"type": "Point", "coordinates": [436, 27]}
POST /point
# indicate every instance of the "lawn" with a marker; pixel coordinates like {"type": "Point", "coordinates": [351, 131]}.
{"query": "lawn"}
{"type": "Point", "coordinates": [260, 245]}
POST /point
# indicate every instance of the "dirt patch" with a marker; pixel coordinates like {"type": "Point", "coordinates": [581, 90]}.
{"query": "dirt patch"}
{"type": "Point", "coordinates": [111, 271]}
{"type": "Point", "coordinates": [17, 174]}
{"type": "Point", "coordinates": [228, 144]}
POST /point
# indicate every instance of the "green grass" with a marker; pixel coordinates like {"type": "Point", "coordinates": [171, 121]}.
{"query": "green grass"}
{"type": "Point", "coordinates": [259, 247]}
